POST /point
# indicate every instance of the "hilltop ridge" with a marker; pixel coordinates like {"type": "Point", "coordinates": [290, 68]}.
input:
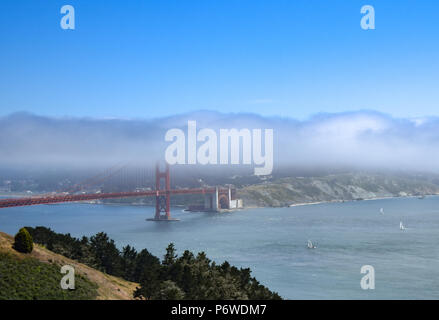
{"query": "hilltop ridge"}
{"type": "Point", "coordinates": [336, 187]}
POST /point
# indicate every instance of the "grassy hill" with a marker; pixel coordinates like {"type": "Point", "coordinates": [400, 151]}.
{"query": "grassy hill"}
{"type": "Point", "coordinates": [37, 276]}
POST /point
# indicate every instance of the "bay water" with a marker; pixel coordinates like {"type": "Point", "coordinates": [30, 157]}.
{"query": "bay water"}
{"type": "Point", "coordinates": [272, 242]}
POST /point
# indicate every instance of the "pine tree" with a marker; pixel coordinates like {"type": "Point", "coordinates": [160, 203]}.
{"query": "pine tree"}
{"type": "Point", "coordinates": [170, 255]}
{"type": "Point", "coordinates": [23, 241]}
{"type": "Point", "coordinates": [106, 253]}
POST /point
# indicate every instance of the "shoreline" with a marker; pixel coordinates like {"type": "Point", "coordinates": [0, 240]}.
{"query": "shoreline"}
{"type": "Point", "coordinates": [356, 200]}
{"type": "Point", "coordinates": [299, 204]}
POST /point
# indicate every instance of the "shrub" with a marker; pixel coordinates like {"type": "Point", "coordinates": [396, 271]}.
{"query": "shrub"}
{"type": "Point", "coordinates": [168, 291]}
{"type": "Point", "coordinates": [23, 241]}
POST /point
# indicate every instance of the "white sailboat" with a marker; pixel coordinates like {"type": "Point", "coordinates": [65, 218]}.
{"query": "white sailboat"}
{"type": "Point", "coordinates": [401, 226]}
{"type": "Point", "coordinates": [311, 245]}
{"type": "Point", "coordinates": [382, 210]}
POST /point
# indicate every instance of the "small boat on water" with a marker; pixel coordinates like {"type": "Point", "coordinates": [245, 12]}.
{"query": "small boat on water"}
{"type": "Point", "coordinates": [401, 226]}
{"type": "Point", "coordinates": [311, 245]}
{"type": "Point", "coordinates": [382, 210]}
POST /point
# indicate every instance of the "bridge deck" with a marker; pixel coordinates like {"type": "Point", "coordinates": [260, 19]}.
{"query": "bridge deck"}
{"type": "Point", "coordinates": [30, 201]}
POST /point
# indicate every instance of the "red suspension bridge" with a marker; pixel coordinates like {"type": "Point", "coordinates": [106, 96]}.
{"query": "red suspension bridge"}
{"type": "Point", "coordinates": [215, 198]}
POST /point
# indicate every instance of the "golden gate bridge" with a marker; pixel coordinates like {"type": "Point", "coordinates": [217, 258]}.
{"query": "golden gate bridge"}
{"type": "Point", "coordinates": [215, 198]}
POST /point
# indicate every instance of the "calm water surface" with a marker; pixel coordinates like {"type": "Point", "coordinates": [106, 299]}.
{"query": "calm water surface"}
{"type": "Point", "coordinates": [272, 242]}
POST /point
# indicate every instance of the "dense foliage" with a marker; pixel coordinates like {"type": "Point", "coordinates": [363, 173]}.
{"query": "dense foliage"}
{"type": "Point", "coordinates": [30, 279]}
{"type": "Point", "coordinates": [184, 277]}
{"type": "Point", "coordinates": [23, 241]}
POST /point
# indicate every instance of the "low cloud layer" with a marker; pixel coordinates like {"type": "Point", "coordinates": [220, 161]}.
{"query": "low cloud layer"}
{"type": "Point", "coordinates": [363, 140]}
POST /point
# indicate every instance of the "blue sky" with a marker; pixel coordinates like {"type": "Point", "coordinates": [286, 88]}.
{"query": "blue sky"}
{"type": "Point", "coordinates": [143, 59]}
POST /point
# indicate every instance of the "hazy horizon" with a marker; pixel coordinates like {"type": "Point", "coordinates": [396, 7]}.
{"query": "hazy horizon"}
{"type": "Point", "coordinates": [367, 140]}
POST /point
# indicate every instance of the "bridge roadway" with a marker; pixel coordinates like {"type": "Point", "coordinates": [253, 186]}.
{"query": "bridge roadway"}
{"type": "Point", "coordinates": [30, 201]}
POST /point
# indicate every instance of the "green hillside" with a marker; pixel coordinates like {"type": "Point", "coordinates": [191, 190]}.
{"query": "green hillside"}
{"type": "Point", "coordinates": [37, 275]}
{"type": "Point", "coordinates": [26, 278]}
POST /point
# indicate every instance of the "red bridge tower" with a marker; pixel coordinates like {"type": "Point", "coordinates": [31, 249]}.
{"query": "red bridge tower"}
{"type": "Point", "coordinates": [163, 196]}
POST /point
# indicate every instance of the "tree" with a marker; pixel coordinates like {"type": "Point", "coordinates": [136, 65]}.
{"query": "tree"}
{"type": "Point", "coordinates": [168, 290]}
{"type": "Point", "coordinates": [23, 241]}
{"type": "Point", "coordinates": [129, 256]}
{"type": "Point", "coordinates": [170, 255]}
{"type": "Point", "coordinates": [147, 266]}
{"type": "Point", "coordinates": [150, 284]}
{"type": "Point", "coordinates": [106, 253]}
